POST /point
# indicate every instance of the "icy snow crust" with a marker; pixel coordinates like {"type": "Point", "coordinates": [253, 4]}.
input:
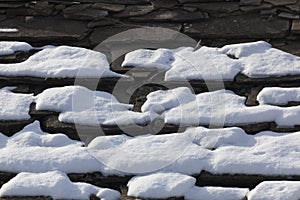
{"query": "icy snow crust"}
{"type": "Point", "coordinates": [222, 107]}
{"type": "Point", "coordinates": [57, 62]}
{"type": "Point", "coordinates": [255, 59]}
{"type": "Point", "coordinates": [77, 104]}
{"type": "Point", "coordinates": [32, 150]}
{"type": "Point", "coordinates": [55, 184]}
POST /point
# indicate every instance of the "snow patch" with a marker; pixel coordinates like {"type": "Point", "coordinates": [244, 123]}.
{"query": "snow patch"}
{"type": "Point", "coordinates": [55, 184]}
{"type": "Point", "coordinates": [61, 62]}
{"type": "Point", "coordinates": [160, 185]}
{"type": "Point", "coordinates": [77, 104]}
{"type": "Point", "coordinates": [222, 107]}
{"type": "Point", "coordinates": [278, 96]}
{"type": "Point", "coordinates": [215, 193]}
{"type": "Point", "coordinates": [14, 106]}
{"type": "Point", "coordinates": [11, 47]}
{"type": "Point", "coordinates": [276, 190]}
{"type": "Point", "coordinates": [254, 59]}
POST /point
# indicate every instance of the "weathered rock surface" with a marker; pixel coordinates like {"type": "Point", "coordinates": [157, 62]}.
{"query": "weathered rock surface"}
{"type": "Point", "coordinates": [170, 16]}
{"type": "Point", "coordinates": [243, 26]}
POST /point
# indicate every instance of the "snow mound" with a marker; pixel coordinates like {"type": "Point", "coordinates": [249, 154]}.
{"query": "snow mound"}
{"type": "Point", "coordinates": [61, 62]}
{"type": "Point", "coordinates": [222, 107]}
{"type": "Point", "coordinates": [77, 104]}
{"type": "Point", "coordinates": [14, 106]}
{"type": "Point", "coordinates": [255, 59]}
{"type": "Point", "coordinates": [10, 47]}
{"type": "Point", "coordinates": [32, 150]}
{"type": "Point", "coordinates": [55, 184]}
{"type": "Point", "coordinates": [278, 96]}
{"type": "Point", "coordinates": [276, 190]}
{"type": "Point", "coordinates": [160, 185]}
{"type": "Point", "coordinates": [215, 193]}
{"type": "Point", "coordinates": [218, 151]}
{"type": "Point", "coordinates": [141, 154]}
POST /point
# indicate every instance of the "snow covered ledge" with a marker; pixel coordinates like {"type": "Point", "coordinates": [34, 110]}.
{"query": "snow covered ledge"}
{"type": "Point", "coordinates": [254, 59]}
{"type": "Point", "coordinates": [55, 184]}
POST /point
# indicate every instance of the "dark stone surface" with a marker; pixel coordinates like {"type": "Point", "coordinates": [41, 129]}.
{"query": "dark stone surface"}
{"type": "Point", "coordinates": [9, 128]}
{"type": "Point", "coordinates": [215, 7]}
{"type": "Point", "coordinates": [238, 180]}
{"type": "Point", "coordinates": [44, 30]}
{"type": "Point", "coordinates": [235, 27]}
{"type": "Point", "coordinates": [132, 11]}
{"type": "Point", "coordinates": [164, 4]}
{"type": "Point", "coordinates": [170, 16]}
{"type": "Point", "coordinates": [109, 7]}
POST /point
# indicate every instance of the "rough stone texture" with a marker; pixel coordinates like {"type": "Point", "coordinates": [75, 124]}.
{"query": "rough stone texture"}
{"type": "Point", "coordinates": [215, 7]}
{"type": "Point", "coordinates": [250, 2]}
{"type": "Point", "coordinates": [243, 26]}
{"type": "Point", "coordinates": [131, 11]}
{"type": "Point", "coordinates": [87, 14]}
{"type": "Point", "coordinates": [44, 30]}
{"type": "Point", "coordinates": [261, 7]}
{"type": "Point", "coordinates": [289, 15]}
{"type": "Point", "coordinates": [281, 2]}
{"type": "Point", "coordinates": [164, 4]}
{"type": "Point", "coordinates": [170, 15]}
{"type": "Point", "coordinates": [296, 26]}
{"type": "Point", "coordinates": [109, 7]}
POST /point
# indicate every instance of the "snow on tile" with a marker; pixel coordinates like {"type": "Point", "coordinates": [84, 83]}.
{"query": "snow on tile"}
{"type": "Point", "coordinates": [278, 95]}
{"type": "Point", "coordinates": [255, 59]}
{"type": "Point", "coordinates": [222, 107]}
{"type": "Point", "coordinates": [185, 64]}
{"type": "Point", "coordinates": [259, 59]}
{"type": "Point", "coordinates": [80, 105]}
{"type": "Point", "coordinates": [216, 193]}
{"type": "Point", "coordinates": [148, 153]}
{"type": "Point", "coordinates": [61, 62]}
{"type": "Point", "coordinates": [10, 47]}
{"type": "Point", "coordinates": [14, 106]}
{"type": "Point", "coordinates": [160, 185]}
{"type": "Point", "coordinates": [270, 154]}
{"type": "Point", "coordinates": [55, 184]}
{"type": "Point", "coordinates": [227, 150]}
{"type": "Point", "coordinates": [32, 150]}
{"type": "Point", "coordinates": [275, 190]}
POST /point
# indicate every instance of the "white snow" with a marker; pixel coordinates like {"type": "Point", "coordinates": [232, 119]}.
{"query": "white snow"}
{"type": "Point", "coordinates": [222, 107]}
{"type": "Point", "coordinates": [160, 185]}
{"type": "Point", "coordinates": [32, 150]}
{"type": "Point", "coordinates": [190, 152]}
{"type": "Point", "coordinates": [14, 106]}
{"type": "Point", "coordinates": [255, 59]}
{"type": "Point", "coordinates": [259, 59]}
{"type": "Point", "coordinates": [215, 193]}
{"type": "Point", "coordinates": [278, 96]}
{"type": "Point", "coordinates": [9, 30]}
{"type": "Point", "coordinates": [141, 154]}
{"type": "Point", "coordinates": [11, 47]}
{"type": "Point", "coordinates": [276, 190]}
{"type": "Point", "coordinates": [80, 105]}
{"type": "Point", "coordinates": [55, 184]}
{"type": "Point", "coordinates": [61, 62]}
